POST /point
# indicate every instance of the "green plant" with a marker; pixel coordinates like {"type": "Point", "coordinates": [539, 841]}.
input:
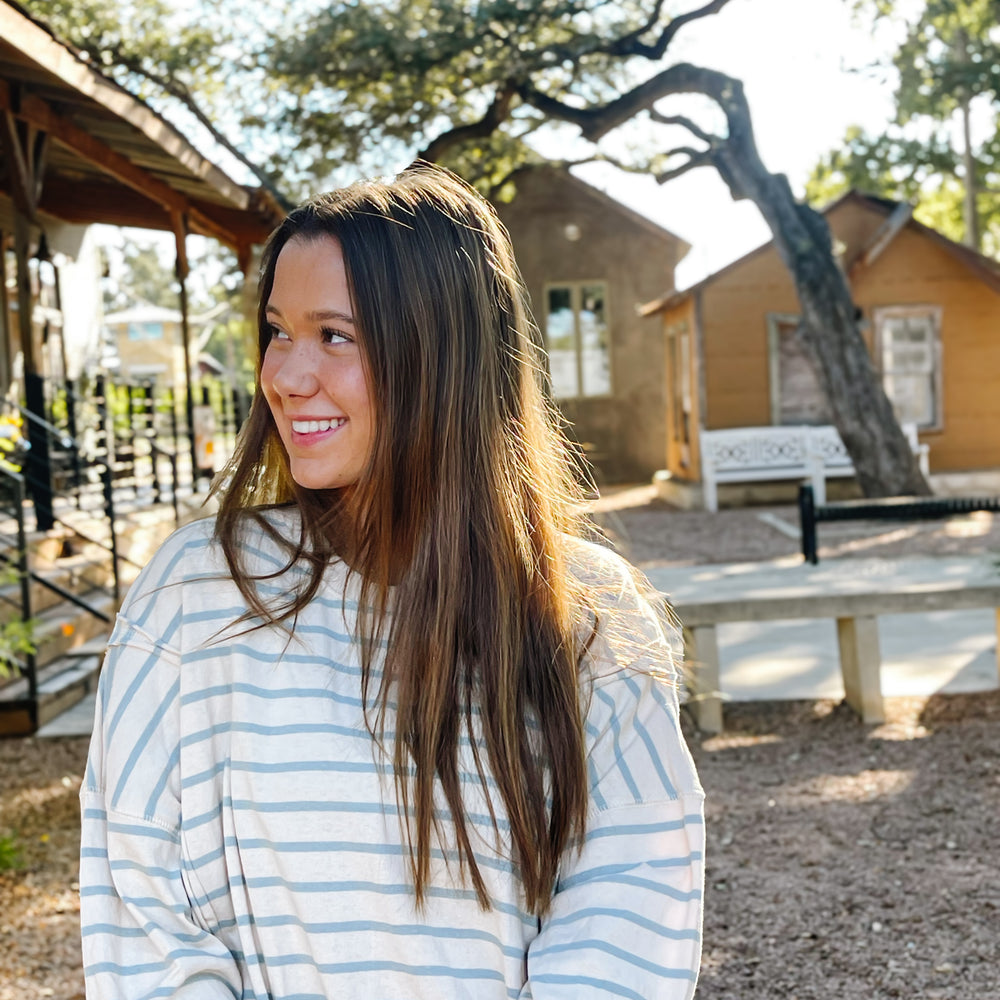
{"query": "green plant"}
{"type": "Point", "coordinates": [17, 636]}
{"type": "Point", "coordinates": [10, 852]}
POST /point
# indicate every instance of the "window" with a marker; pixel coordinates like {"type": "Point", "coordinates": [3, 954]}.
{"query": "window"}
{"type": "Point", "coordinates": [907, 342]}
{"type": "Point", "coordinates": [576, 333]}
{"type": "Point", "coordinates": [145, 331]}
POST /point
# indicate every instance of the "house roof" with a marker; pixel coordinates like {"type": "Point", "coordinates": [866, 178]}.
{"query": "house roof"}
{"type": "Point", "coordinates": [596, 194]}
{"type": "Point", "coordinates": [985, 268]}
{"type": "Point", "coordinates": [111, 158]}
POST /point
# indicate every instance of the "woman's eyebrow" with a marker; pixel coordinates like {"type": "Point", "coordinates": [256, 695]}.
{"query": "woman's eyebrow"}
{"type": "Point", "coordinates": [321, 314]}
{"type": "Point", "coordinates": [316, 316]}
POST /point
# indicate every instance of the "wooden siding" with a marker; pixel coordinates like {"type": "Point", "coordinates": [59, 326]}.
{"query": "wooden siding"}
{"type": "Point", "coordinates": [913, 270]}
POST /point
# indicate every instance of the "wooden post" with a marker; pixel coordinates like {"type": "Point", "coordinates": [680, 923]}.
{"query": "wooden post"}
{"type": "Point", "coordinates": [998, 642]}
{"type": "Point", "coordinates": [25, 148]}
{"type": "Point", "coordinates": [701, 657]}
{"type": "Point", "coordinates": [180, 234]}
{"type": "Point", "coordinates": [6, 359]}
{"type": "Point", "coordinates": [860, 665]}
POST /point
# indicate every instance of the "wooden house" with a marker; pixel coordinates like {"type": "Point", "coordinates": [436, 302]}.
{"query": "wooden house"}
{"type": "Point", "coordinates": [589, 263]}
{"type": "Point", "coordinates": [930, 314]}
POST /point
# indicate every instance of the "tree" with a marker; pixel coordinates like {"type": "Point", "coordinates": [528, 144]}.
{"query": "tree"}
{"type": "Point", "coordinates": [480, 86]}
{"type": "Point", "coordinates": [446, 80]}
{"type": "Point", "coordinates": [947, 69]}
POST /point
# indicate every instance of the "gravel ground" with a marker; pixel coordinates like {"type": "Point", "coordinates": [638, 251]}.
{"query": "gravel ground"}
{"type": "Point", "coordinates": [844, 861]}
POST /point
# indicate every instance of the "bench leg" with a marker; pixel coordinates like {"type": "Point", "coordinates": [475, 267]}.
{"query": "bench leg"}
{"type": "Point", "coordinates": [701, 656]}
{"type": "Point", "coordinates": [860, 665]}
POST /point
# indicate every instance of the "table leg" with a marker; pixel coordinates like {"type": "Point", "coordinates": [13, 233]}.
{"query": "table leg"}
{"type": "Point", "coordinates": [998, 642]}
{"type": "Point", "coordinates": [860, 665]}
{"type": "Point", "coordinates": [701, 656]}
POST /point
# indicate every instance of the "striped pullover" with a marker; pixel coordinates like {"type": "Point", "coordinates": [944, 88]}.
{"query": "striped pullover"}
{"type": "Point", "coordinates": [241, 837]}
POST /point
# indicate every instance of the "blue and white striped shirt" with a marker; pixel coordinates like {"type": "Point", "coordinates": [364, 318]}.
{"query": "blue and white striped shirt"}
{"type": "Point", "coordinates": [241, 836]}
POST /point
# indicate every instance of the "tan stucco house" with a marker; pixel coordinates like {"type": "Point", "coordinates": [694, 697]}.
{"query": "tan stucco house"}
{"type": "Point", "coordinates": [589, 263]}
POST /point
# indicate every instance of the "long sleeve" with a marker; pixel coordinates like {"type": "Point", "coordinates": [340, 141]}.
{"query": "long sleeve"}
{"type": "Point", "coordinates": [142, 937]}
{"type": "Point", "coordinates": [625, 919]}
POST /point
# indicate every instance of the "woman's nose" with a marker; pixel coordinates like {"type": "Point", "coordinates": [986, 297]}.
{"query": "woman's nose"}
{"type": "Point", "coordinates": [296, 374]}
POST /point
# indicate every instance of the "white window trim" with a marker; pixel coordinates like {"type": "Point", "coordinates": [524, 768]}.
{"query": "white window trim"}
{"type": "Point", "coordinates": [882, 313]}
{"type": "Point", "coordinates": [576, 288]}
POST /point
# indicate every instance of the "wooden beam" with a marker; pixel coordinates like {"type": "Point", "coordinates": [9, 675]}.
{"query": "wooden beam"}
{"type": "Point", "coordinates": [61, 63]}
{"type": "Point", "coordinates": [34, 111]}
{"type": "Point", "coordinates": [22, 187]}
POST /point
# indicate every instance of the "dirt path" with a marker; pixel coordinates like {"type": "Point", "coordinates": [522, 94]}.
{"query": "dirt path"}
{"type": "Point", "coordinates": [844, 861]}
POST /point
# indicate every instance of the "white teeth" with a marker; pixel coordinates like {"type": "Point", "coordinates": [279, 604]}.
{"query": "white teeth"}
{"type": "Point", "coordinates": [314, 426]}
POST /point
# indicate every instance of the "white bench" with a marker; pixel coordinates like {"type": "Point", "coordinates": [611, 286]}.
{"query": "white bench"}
{"type": "Point", "coordinates": [761, 454]}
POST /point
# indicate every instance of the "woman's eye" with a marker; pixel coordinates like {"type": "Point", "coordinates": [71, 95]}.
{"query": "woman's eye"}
{"type": "Point", "coordinates": [331, 336]}
{"type": "Point", "coordinates": [275, 334]}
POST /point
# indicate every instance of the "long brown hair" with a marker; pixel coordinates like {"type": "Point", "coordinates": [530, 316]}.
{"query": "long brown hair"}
{"type": "Point", "coordinates": [464, 511]}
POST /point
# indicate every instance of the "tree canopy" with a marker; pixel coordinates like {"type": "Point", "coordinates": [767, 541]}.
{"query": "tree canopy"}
{"type": "Point", "coordinates": [942, 151]}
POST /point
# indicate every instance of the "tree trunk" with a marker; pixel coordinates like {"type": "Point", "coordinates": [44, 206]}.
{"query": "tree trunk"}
{"type": "Point", "coordinates": [972, 235]}
{"type": "Point", "coordinates": [882, 457]}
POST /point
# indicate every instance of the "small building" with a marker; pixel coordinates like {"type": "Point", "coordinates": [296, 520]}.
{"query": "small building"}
{"type": "Point", "coordinates": [589, 263]}
{"type": "Point", "coordinates": [149, 343]}
{"type": "Point", "coordinates": [930, 315]}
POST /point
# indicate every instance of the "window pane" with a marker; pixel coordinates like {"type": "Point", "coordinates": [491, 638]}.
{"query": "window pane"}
{"type": "Point", "coordinates": [560, 336]}
{"type": "Point", "coordinates": [912, 398]}
{"type": "Point", "coordinates": [594, 341]}
{"type": "Point", "coordinates": [908, 366]}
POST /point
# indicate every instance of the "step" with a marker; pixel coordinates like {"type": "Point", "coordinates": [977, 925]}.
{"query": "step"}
{"type": "Point", "coordinates": [76, 574]}
{"type": "Point", "coordinates": [62, 690]}
{"type": "Point", "coordinates": [61, 685]}
{"type": "Point", "coordinates": [62, 628]}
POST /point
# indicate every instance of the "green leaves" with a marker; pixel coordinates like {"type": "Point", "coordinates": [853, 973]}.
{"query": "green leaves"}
{"type": "Point", "coordinates": [947, 66]}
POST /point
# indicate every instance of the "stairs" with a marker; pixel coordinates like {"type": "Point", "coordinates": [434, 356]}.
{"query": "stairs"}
{"type": "Point", "coordinates": [70, 640]}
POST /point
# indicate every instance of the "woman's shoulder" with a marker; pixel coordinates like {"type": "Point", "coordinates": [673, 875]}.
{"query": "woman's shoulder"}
{"type": "Point", "coordinates": [194, 553]}
{"type": "Point", "coordinates": [633, 627]}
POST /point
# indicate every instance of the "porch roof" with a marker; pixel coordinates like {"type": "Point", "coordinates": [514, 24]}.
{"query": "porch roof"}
{"type": "Point", "coordinates": [110, 157]}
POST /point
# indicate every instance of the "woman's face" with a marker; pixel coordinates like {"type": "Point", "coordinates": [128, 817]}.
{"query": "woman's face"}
{"type": "Point", "coordinates": [313, 375]}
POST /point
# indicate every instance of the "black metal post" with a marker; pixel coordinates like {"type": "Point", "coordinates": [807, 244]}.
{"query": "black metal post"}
{"type": "Point", "coordinates": [39, 463]}
{"type": "Point", "coordinates": [807, 523]}
{"type": "Point", "coordinates": [107, 481]}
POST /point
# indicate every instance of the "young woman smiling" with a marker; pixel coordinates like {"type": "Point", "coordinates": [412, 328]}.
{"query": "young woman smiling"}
{"type": "Point", "coordinates": [390, 726]}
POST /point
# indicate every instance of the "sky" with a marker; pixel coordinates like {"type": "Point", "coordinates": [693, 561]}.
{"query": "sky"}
{"type": "Point", "coordinates": [794, 58]}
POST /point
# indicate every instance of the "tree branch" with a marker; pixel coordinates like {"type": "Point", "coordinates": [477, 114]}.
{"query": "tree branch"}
{"type": "Point", "coordinates": [524, 168]}
{"type": "Point", "coordinates": [692, 127]}
{"type": "Point", "coordinates": [496, 114]}
{"type": "Point", "coordinates": [695, 158]}
{"type": "Point", "coordinates": [632, 44]}
{"type": "Point", "coordinates": [595, 122]}
{"type": "Point", "coordinates": [181, 92]}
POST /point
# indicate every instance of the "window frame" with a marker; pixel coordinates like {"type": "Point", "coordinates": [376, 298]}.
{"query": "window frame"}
{"type": "Point", "coordinates": [879, 317]}
{"type": "Point", "coordinates": [576, 291]}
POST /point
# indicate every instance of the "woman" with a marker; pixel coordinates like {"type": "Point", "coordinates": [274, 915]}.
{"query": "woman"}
{"type": "Point", "coordinates": [389, 726]}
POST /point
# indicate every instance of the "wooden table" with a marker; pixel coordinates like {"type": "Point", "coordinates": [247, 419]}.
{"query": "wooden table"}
{"type": "Point", "coordinates": [856, 613]}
